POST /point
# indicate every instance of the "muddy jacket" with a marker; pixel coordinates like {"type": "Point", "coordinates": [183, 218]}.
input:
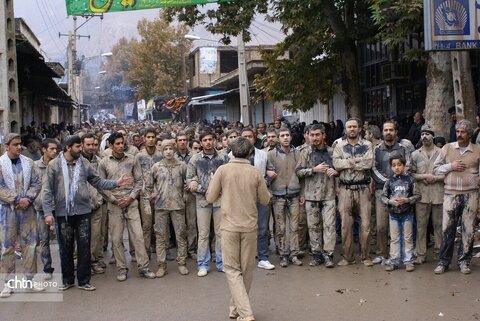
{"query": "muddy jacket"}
{"type": "Point", "coordinates": [96, 199]}
{"type": "Point", "coordinates": [168, 181]}
{"type": "Point", "coordinates": [184, 158]}
{"type": "Point", "coordinates": [200, 169]}
{"type": "Point", "coordinates": [54, 188]}
{"type": "Point", "coordinates": [41, 169]}
{"type": "Point", "coordinates": [112, 168]}
{"type": "Point", "coordinates": [353, 172]}
{"type": "Point", "coordinates": [381, 167]}
{"type": "Point", "coordinates": [400, 186]}
{"type": "Point", "coordinates": [318, 186]}
{"type": "Point", "coordinates": [286, 182]}
{"type": "Point", "coordinates": [10, 197]}
{"type": "Point", "coordinates": [421, 164]}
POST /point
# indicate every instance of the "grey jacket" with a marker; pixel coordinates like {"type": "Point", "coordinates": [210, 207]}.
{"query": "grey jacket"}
{"type": "Point", "coordinates": [54, 189]}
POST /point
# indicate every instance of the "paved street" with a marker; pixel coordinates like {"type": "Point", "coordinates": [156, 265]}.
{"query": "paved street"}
{"type": "Point", "coordinates": [295, 293]}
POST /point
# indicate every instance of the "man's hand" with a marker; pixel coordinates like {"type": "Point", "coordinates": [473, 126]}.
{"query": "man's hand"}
{"type": "Point", "coordinates": [23, 203]}
{"type": "Point", "coordinates": [394, 202]}
{"type": "Point", "coordinates": [403, 200]}
{"type": "Point", "coordinates": [49, 220]}
{"type": "Point", "coordinates": [429, 179]}
{"type": "Point", "coordinates": [302, 200]}
{"type": "Point", "coordinates": [271, 174]}
{"type": "Point", "coordinates": [128, 201]}
{"type": "Point", "coordinates": [331, 172]}
{"type": "Point", "coordinates": [458, 166]}
{"type": "Point", "coordinates": [321, 168]}
{"type": "Point", "coordinates": [124, 180]}
{"type": "Point", "coordinates": [193, 186]}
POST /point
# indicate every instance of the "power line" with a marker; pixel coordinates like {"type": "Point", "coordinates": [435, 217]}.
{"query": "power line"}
{"type": "Point", "coordinates": [49, 33]}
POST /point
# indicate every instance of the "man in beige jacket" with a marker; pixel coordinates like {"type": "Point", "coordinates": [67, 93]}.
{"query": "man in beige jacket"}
{"type": "Point", "coordinates": [240, 185]}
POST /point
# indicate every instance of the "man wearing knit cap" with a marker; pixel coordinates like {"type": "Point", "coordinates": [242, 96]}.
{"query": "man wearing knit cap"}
{"type": "Point", "coordinates": [19, 186]}
{"type": "Point", "coordinates": [430, 187]}
{"type": "Point", "coordinates": [166, 185]}
{"type": "Point", "coordinates": [459, 162]}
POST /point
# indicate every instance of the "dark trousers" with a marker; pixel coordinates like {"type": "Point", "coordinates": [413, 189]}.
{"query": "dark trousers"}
{"type": "Point", "coordinates": [70, 229]}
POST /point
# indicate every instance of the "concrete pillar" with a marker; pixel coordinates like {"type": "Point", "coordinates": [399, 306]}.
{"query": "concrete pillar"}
{"type": "Point", "coordinates": [463, 85]}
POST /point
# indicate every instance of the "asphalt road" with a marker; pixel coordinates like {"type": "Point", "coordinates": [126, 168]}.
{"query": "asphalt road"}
{"type": "Point", "coordinates": [285, 294]}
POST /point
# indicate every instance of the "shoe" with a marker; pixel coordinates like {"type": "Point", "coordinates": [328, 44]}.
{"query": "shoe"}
{"type": "Point", "coordinates": [419, 260]}
{"type": "Point", "coordinates": [266, 265]}
{"type": "Point", "coordinates": [112, 260]}
{"type": "Point", "coordinates": [6, 292]}
{"type": "Point", "coordinates": [465, 269]}
{"type": "Point", "coordinates": [48, 276]}
{"type": "Point", "coordinates": [102, 264]}
{"type": "Point", "coordinates": [367, 262]}
{"type": "Point", "coordinates": [161, 273]}
{"type": "Point", "coordinates": [328, 262]}
{"type": "Point", "coordinates": [170, 257]}
{"type": "Point", "coordinates": [283, 262]}
{"type": "Point", "coordinates": [202, 272]}
{"type": "Point", "coordinates": [378, 260]}
{"type": "Point", "coordinates": [97, 269]}
{"type": "Point", "coordinates": [301, 254]}
{"type": "Point", "coordinates": [409, 267]}
{"type": "Point", "coordinates": [193, 256]}
{"type": "Point", "coordinates": [65, 286]}
{"type": "Point", "coordinates": [122, 276]}
{"type": "Point", "coordinates": [146, 273]}
{"type": "Point", "coordinates": [296, 261]}
{"type": "Point", "coordinates": [183, 270]}
{"type": "Point", "coordinates": [246, 319]}
{"type": "Point", "coordinates": [87, 287]}
{"type": "Point", "coordinates": [233, 314]}
{"type": "Point", "coordinates": [440, 269]}
{"type": "Point", "coordinates": [35, 288]}
{"type": "Point", "coordinates": [390, 267]}
{"type": "Point", "coordinates": [344, 262]}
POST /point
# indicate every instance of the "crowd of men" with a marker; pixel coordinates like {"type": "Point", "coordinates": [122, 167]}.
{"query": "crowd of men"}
{"type": "Point", "coordinates": [155, 181]}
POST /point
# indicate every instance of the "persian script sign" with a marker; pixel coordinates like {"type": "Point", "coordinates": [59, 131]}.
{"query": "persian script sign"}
{"type": "Point", "coordinates": [86, 7]}
{"type": "Point", "coordinates": [452, 24]}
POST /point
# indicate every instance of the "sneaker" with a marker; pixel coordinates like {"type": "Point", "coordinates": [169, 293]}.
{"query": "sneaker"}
{"type": "Point", "coordinates": [146, 273]}
{"type": "Point", "coordinates": [390, 267]}
{"type": "Point", "coordinates": [48, 276]}
{"type": "Point", "coordinates": [65, 286]}
{"type": "Point", "coordinates": [170, 257]}
{"type": "Point", "coordinates": [182, 269]}
{"type": "Point", "coordinates": [344, 262]}
{"type": "Point", "coordinates": [233, 314]}
{"type": "Point", "coordinates": [328, 262]}
{"type": "Point", "coordinates": [97, 269]}
{"type": "Point", "coordinates": [296, 261]}
{"type": "Point", "coordinates": [87, 287]}
{"type": "Point", "coordinates": [6, 292]}
{"type": "Point", "coordinates": [419, 260]}
{"type": "Point", "coordinates": [161, 272]}
{"type": "Point", "coordinates": [315, 262]}
{"type": "Point", "coordinates": [440, 269]}
{"type": "Point", "coordinates": [410, 267]}
{"type": "Point", "coordinates": [112, 260]}
{"type": "Point", "coordinates": [202, 272]}
{"type": "Point", "coordinates": [465, 269]}
{"type": "Point", "coordinates": [283, 262]}
{"type": "Point", "coordinates": [378, 260]}
{"type": "Point", "coordinates": [246, 318]}
{"type": "Point", "coordinates": [122, 276]}
{"type": "Point", "coordinates": [266, 265]}
{"type": "Point", "coordinates": [301, 254]}
{"type": "Point", "coordinates": [35, 288]}
{"type": "Point", "coordinates": [102, 264]}
{"type": "Point", "coordinates": [367, 262]}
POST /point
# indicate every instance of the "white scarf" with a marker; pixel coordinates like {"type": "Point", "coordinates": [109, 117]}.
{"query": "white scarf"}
{"type": "Point", "coordinates": [70, 187]}
{"type": "Point", "coordinates": [9, 176]}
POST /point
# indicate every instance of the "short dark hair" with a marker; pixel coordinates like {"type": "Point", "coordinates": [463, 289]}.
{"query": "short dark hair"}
{"type": "Point", "coordinates": [87, 136]}
{"type": "Point", "coordinates": [72, 140]}
{"type": "Point", "coordinates": [181, 134]}
{"type": "Point", "coordinates": [272, 130]}
{"type": "Point", "coordinates": [317, 127]}
{"type": "Point", "coordinates": [48, 141]}
{"type": "Point", "coordinates": [391, 121]}
{"type": "Point", "coordinates": [375, 131]}
{"type": "Point", "coordinates": [247, 129]}
{"type": "Point", "coordinates": [358, 120]}
{"type": "Point", "coordinates": [193, 141]}
{"type": "Point", "coordinates": [150, 130]}
{"type": "Point", "coordinates": [206, 133]}
{"type": "Point", "coordinates": [114, 136]}
{"type": "Point", "coordinates": [399, 157]}
{"type": "Point", "coordinates": [240, 147]}
{"type": "Point", "coordinates": [231, 131]}
{"type": "Point", "coordinates": [306, 130]}
{"type": "Point", "coordinates": [284, 129]}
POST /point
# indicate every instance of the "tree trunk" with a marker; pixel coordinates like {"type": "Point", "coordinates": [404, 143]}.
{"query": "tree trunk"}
{"type": "Point", "coordinates": [351, 82]}
{"type": "Point", "coordinates": [439, 92]}
{"type": "Point", "coordinates": [464, 92]}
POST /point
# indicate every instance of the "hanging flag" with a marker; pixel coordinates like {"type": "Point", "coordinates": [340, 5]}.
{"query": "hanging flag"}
{"type": "Point", "coordinates": [85, 7]}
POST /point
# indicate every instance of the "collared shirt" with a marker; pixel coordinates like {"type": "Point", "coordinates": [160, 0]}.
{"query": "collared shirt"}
{"type": "Point", "coordinates": [422, 164]}
{"type": "Point", "coordinates": [183, 157]}
{"type": "Point", "coordinates": [350, 171]}
{"type": "Point", "coordinates": [112, 168]}
{"type": "Point", "coordinates": [381, 167]}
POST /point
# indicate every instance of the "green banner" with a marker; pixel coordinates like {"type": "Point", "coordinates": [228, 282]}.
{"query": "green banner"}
{"type": "Point", "coordinates": [86, 7]}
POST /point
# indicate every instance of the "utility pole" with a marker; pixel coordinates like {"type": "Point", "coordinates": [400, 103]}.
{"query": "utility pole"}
{"type": "Point", "coordinates": [244, 91]}
{"type": "Point", "coordinates": [184, 79]}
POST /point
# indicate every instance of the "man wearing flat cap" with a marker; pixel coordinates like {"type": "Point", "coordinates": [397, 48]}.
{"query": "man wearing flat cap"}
{"type": "Point", "coordinates": [19, 186]}
{"type": "Point", "coordinates": [431, 190]}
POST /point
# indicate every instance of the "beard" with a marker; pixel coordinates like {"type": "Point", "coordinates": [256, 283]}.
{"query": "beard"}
{"type": "Point", "coordinates": [74, 155]}
{"type": "Point", "coordinates": [388, 138]}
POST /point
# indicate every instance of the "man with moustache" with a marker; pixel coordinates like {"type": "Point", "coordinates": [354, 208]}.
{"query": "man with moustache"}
{"type": "Point", "coordinates": [66, 200]}
{"type": "Point", "coordinates": [272, 139]}
{"type": "Point", "coordinates": [381, 173]}
{"type": "Point", "coordinates": [459, 162]}
{"type": "Point", "coordinates": [430, 187]}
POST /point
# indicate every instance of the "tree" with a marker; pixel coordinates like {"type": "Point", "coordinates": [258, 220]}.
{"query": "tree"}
{"type": "Point", "coordinates": [321, 40]}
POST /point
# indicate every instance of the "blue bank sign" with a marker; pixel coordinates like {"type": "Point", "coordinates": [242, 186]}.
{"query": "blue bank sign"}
{"type": "Point", "coordinates": [452, 24]}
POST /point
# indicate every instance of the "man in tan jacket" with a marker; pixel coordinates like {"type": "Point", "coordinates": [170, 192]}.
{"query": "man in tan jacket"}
{"type": "Point", "coordinates": [240, 185]}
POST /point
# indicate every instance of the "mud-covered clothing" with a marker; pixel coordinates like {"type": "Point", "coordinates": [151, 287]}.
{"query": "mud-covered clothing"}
{"type": "Point", "coordinates": [422, 164]}
{"type": "Point", "coordinates": [146, 161]}
{"type": "Point", "coordinates": [54, 188]}
{"type": "Point", "coordinates": [168, 181]}
{"type": "Point", "coordinates": [353, 172]}
{"type": "Point", "coordinates": [96, 199]}
{"type": "Point", "coordinates": [381, 167]}
{"type": "Point", "coordinates": [318, 186]}
{"type": "Point", "coordinates": [183, 157]}
{"type": "Point", "coordinates": [128, 149]}
{"type": "Point", "coordinates": [457, 182]}
{"type": "Point", "coordinates": [400, 186]}
{"type": "Point", "coordinates": [286, 182]}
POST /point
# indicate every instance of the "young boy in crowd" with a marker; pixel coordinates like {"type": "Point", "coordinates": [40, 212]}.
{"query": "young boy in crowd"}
{"type": "Point", "coordinates": [399, 194]}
